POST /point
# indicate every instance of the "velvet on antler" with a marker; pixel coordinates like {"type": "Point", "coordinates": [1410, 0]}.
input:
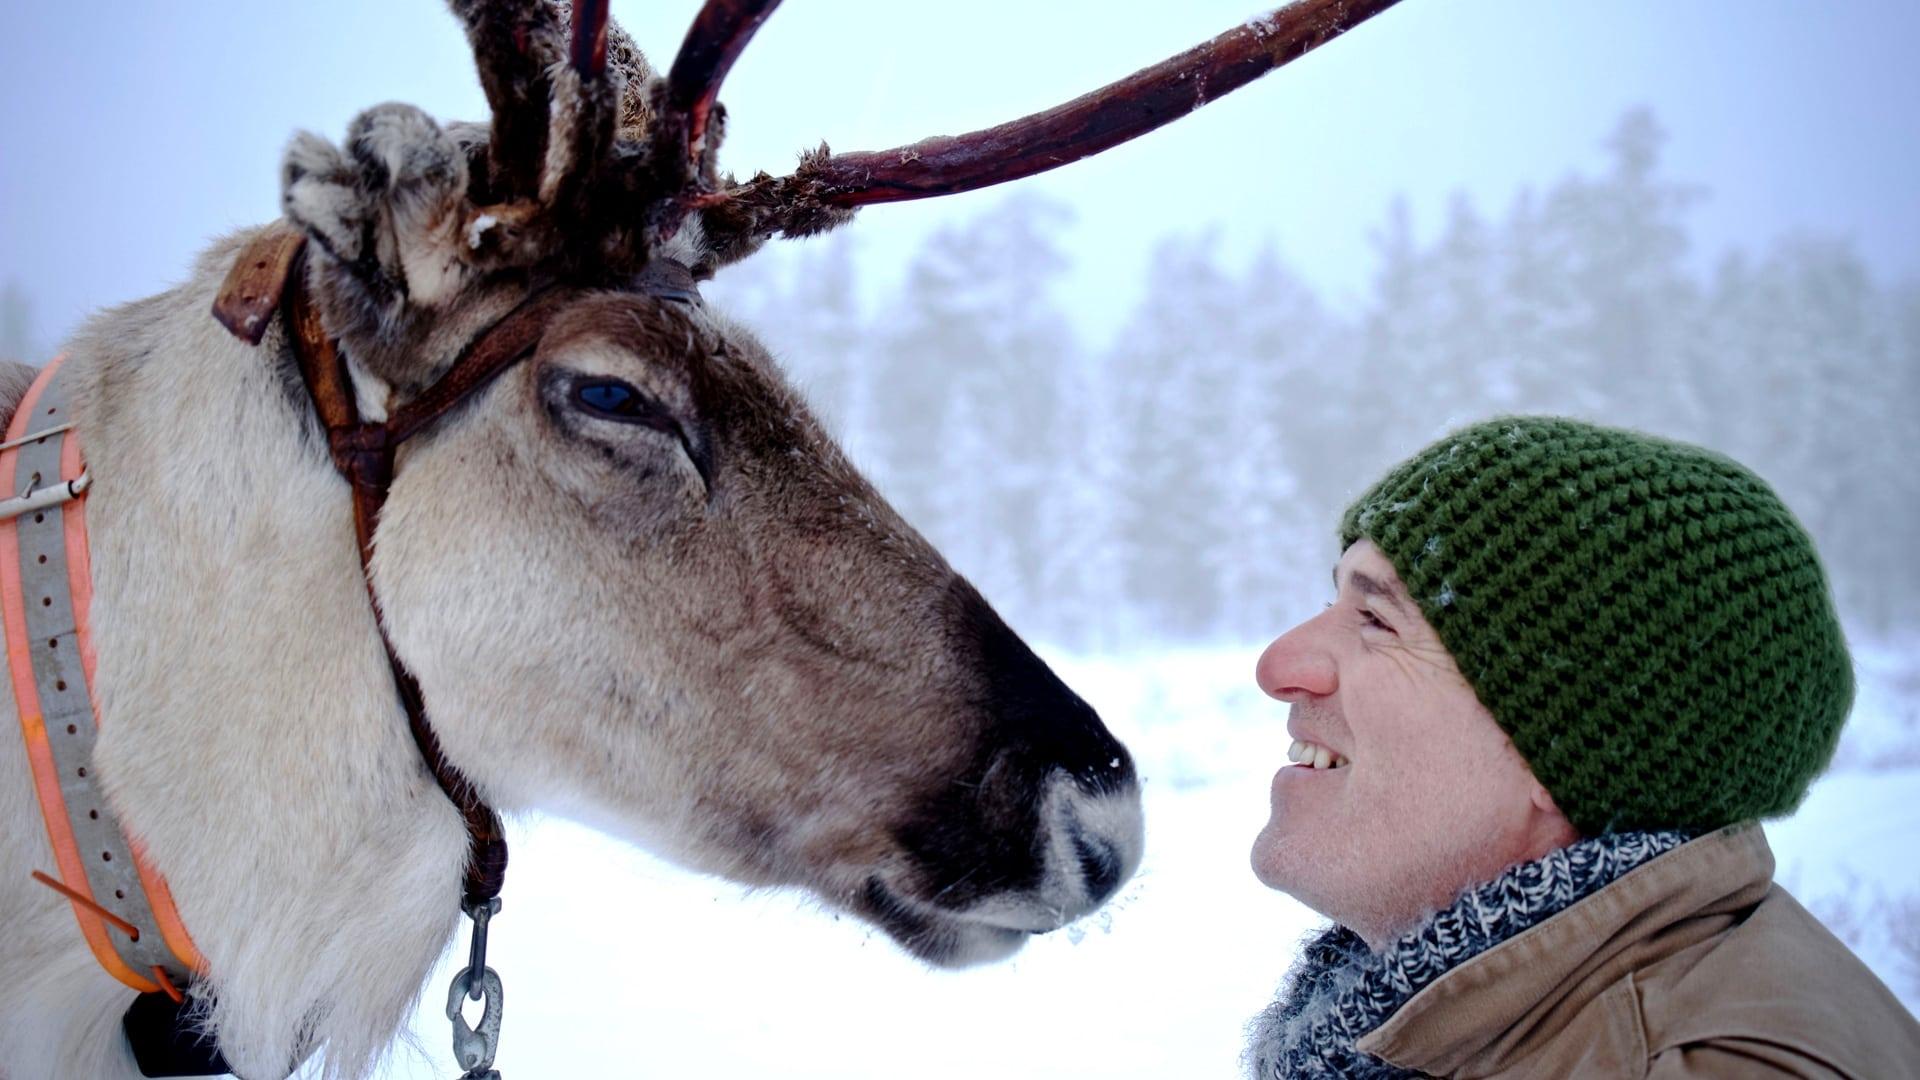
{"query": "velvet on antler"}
{"type": "Point", "coordinates": [568, 92]}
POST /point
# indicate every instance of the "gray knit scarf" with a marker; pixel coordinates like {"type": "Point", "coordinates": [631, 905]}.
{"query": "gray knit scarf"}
{"type": "Point", "coordinates": [1338, 990]}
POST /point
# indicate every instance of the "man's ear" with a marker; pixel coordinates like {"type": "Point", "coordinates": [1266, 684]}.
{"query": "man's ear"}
{"type": "Point", "coordinates": [1548, 813]}
{"type": "Point", "coordinates": [385, 212]}
{"type": "Point", "coordinates": [1543, 799]}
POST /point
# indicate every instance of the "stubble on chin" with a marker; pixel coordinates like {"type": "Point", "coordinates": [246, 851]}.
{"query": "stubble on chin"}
{"type": "Point", "coordinates": [1362, 875]}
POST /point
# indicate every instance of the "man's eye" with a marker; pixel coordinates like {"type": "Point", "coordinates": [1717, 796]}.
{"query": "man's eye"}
{"type": "Point", "coordinates": [1373, 620]}
{"type": "Point", "coordinates": [611, 398]}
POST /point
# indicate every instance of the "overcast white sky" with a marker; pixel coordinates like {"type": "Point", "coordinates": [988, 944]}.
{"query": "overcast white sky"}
{"type": "Point", "coordinates": [132, 136]}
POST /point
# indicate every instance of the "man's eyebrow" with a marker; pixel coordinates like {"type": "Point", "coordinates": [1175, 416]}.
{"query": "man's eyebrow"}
{"type": "Point", "coordinates": [1373, 587]}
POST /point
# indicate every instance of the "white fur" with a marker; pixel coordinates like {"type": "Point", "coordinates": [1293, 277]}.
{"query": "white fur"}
{"type": "Point", "coordinates": [319, 867]}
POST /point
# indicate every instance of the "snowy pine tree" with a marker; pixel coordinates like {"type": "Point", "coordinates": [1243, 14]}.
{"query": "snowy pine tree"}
{"type": "Point", "coordinates": [1177, 370]}
{"type": "Point", "coordinates": [1281, 339]}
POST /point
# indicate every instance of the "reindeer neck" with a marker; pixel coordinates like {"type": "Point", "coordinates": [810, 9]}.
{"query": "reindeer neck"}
{"type": "Point", "coordinates": [249, 731]}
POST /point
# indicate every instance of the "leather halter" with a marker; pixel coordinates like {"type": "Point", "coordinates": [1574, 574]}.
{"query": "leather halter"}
{"type": "Point", "coordinates": [269, 278]}
{"type": "Point", "coordinates": [269, 274]}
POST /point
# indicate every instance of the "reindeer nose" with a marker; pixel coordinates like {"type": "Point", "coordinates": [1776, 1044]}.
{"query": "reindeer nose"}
{"type": "Point", "coordinates": [1059, 788]}
{"type": "Point", "coordinates": [1100, 867]}
{"type": "Point", "coordinates": [1096, 839]}
{"type": "Point", "coordinates": [1102, 819]}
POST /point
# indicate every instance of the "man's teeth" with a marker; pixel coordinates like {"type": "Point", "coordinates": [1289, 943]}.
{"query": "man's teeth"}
{"type": "Point", "coordinates": [1314, 755]}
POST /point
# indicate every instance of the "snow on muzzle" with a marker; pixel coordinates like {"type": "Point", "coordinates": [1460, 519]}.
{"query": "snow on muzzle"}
{"type": "Point", "coordinates": [1041, 827]}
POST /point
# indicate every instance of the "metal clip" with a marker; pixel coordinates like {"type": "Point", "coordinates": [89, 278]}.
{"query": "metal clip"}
{"type": "Point", "coordinates": [39, 498]}
{"type": "Point", "coordinates": [474, 1049]}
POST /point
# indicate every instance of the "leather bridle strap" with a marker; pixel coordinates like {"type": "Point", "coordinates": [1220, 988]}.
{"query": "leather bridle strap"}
{"type": "Point", "coordinates": [269, 278]}
{"type": "Point", "coordinates": [364, 454]}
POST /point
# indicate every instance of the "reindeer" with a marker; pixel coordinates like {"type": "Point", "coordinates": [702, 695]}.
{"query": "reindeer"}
{"type": "Point", "coordinates": [471, 446]}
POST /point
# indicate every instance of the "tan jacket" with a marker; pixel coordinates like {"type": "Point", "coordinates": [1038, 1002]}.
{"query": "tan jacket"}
{"type": "Point", "coordinates": [1693, 965]}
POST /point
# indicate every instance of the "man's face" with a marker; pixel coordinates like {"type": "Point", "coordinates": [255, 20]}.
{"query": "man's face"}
{"type": "Point", "coordinates": [1426, 795]}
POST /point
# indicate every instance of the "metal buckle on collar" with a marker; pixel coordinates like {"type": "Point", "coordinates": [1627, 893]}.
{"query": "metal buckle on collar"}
{"type": "Point", "coordinates": [33, 498]}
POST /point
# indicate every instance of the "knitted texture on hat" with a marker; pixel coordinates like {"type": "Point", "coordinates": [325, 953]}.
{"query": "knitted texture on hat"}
{"type": "Point", "coordinates": [1645, 619]}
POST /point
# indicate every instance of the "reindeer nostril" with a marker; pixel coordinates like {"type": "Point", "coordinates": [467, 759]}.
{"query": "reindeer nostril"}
{"type": "Point", "coordinates": [1099, 866]}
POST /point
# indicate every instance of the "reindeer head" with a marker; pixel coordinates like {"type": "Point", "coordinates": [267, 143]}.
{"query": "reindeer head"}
{"type": "Point", "coordinates": [634, 578]}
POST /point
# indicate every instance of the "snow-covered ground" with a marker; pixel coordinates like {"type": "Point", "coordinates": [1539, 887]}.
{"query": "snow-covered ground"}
{"type": "Point", "coordinates": [617, 964]}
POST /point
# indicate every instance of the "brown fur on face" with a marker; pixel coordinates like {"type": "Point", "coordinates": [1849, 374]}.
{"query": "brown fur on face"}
{"type": "Point", "coordinates": [776, 556]}
{"type": "Point", "coordinates": [715, 635]}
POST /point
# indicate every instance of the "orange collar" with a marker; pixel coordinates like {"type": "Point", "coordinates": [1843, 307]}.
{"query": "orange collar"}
{"type": "Point", "coordinates": [124, 909]}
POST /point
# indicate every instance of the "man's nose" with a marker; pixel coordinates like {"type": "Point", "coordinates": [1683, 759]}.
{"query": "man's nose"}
{"type": "Point", "coordinates": [1295, 667]}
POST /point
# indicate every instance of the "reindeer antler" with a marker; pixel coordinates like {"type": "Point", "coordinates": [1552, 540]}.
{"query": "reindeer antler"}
{"type": "Point", "coordinates": [823, 190]}
{"type": "Point", "coordinates": [714, 42]}
{"type": "Point", "coordinates": [684, 141]}
{"type": "Point", "coordinates": [562, 102]}
{"type": "Point", "coordinates": [603, 162]}
{"type": "Point", "coordinates": [514, 46]}
{"type": "Point", "coordinates": [589, 52]}
{"type": "Point", "coordinates": [1093, 122]}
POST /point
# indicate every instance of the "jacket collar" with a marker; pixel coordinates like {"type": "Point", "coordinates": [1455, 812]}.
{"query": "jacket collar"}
{"type": "Point", "coordinates": [1496, 1006]}
{"type": "Point", "coordinates": [1340, 991]}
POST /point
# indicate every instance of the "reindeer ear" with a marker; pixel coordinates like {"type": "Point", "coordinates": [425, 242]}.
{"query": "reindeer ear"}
{"type": "Point", "coordinates": [387, 209]}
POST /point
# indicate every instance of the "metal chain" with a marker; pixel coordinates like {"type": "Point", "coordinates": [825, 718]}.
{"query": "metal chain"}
{"type": "Point", "coordinates": [474, 1049]}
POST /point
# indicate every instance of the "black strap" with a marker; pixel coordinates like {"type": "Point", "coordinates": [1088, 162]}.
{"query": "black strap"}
{"type": "Point", "coordinates": [164, 1041]}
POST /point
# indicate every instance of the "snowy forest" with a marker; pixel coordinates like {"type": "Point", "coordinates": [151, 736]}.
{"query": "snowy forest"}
{"type": "Point", "coordinates": [1179, 482]}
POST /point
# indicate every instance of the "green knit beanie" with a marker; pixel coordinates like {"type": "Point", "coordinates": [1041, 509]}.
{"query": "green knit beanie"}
{"type": "Point", "coordinates": [1644, 618]}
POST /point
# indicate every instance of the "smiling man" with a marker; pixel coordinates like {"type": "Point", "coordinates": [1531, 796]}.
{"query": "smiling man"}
{"type": "Point", "coordinates": [1566, 670]}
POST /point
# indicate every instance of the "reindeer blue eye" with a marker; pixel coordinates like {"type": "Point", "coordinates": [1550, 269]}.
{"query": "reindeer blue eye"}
{"type": "Point", "coordinates": [612, 398]}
